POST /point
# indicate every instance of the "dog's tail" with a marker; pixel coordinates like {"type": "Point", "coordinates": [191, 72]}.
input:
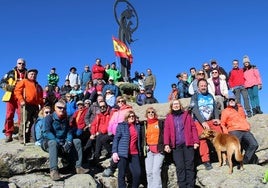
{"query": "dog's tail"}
{"type": "Point", "coordinates": [238, 155]}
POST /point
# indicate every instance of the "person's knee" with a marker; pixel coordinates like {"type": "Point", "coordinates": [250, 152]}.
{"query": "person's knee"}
{"type": "Point", "coordinates": [77, 142]}
{"type": "Point", "coordinates": [254, 146]}
{"type": "Point", "coordinates": [52, 143]}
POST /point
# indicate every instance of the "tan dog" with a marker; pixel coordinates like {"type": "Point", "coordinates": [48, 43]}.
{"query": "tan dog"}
{"type": "Point", "coordinates": [225, 143]}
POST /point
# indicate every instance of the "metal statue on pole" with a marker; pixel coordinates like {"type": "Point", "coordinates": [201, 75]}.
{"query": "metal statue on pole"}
{"type": "Point", "coordinates": [128, 23]}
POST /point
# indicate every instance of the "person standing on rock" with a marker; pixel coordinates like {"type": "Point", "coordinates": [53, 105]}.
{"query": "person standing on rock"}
{"type": "Point", "coordinates": [126, 150]}
{"type": "Point", "coordinates": [58, 141]}
{"type": "Point", "coordinates": [117, 116]}
{"type": "Point", "coordinates": [253, 83]}
{"type": "Point", "coordinates": [236, 83]}
{"type": "Point", "coordinates": [8, 83]}
{"type": "Point", "coordinates": [150, 81]}
{"type": "Point", "coordinates": [30, 96]}
{"type": "Point", "coordinates": [154, 133]}
{"type": "Point", "coordinates": [206, 115]}
{"type": "Point", "coordinates": [180, 136]}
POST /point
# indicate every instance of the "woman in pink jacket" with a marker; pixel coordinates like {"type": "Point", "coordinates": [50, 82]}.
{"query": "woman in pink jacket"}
{"type": "Point", "coordinates": [253, 84]}
{"type": "Point", "coordinates": [118, 115]}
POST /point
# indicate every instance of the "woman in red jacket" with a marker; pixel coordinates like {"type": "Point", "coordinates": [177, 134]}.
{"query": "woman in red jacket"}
{"type": "Point", "coordinates": [180, 135]}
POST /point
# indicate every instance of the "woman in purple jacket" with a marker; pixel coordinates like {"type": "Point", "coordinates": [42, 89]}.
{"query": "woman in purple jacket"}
{"type": "Point", "coordinates": [180, 135]}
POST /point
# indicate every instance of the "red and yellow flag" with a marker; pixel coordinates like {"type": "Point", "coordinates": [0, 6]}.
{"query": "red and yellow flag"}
{"type": "Point", "coordinates": [121, 50]}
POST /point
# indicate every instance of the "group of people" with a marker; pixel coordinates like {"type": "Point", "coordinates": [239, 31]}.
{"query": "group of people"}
{"type": "Point", "coordinates": [244, 81]}
{"type": "Point", "coordinates": [78, 127]}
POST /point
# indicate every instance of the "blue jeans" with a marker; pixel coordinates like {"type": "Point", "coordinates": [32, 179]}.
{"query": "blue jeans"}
{"type": "Point", "coordinates": [133, 163]}
{"type": "Point", "coordinates": [248, 143]}
{"type": "Point", "coordinates": [54, 150]}
{"type": "Point", "coordinates": [253, 93]}
{"type": "Point", "coordinates": [153, 164]}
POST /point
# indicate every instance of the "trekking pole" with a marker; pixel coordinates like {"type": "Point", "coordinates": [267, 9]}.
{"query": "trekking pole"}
{"type": "Point", "coordinates": [24, 124]}
{"type": "Point", "coordinates": [24, 120]}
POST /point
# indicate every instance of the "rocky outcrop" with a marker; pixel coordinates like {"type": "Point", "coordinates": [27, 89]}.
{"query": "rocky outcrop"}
{"type": "Point", "coordinates": [27, 166]}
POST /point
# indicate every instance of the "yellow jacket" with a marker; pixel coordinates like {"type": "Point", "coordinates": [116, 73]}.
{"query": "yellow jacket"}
{"type": "Point", "coordinates": [8, 83]}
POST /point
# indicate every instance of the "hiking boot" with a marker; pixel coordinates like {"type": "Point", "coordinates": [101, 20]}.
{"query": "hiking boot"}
{"type": "Point", "coordinates": [249, 114]}
{"type": "Point", "coordinates": [254, 110]}
{"type": "Point", "coordinates": [81, 170]}
{"type": "Point", "coordinates": [258, 108]}
{"type": "Point", "coordinates": [55, 176]}
{"type": "Point", "coordinates": [208, 166]}
{"type": "Point", "coordinates": [8, 139]}
{"type": "Point", "coordinates": [107, 172]}
{"type": "Point", "coordinates": [21, 140]}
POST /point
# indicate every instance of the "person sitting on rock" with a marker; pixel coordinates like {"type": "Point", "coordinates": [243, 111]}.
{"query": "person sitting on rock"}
{"type": "Point", "coordinates": [58, 141]}
{"type": "Point", "coordinates": [233, 121]}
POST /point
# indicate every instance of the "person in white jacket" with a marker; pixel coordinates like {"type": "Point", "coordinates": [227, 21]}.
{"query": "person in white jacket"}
{"type": "Point", "coordinates": [217, 86]}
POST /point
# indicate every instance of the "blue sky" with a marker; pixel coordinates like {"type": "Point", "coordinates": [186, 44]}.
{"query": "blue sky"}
{"type": "Point", "coordinates": [172, 36]}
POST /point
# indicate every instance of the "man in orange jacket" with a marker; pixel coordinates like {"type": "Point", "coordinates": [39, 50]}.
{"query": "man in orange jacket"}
{"type": "Point", "coordinates": [30, 97]}
{"type": "Point", "coordinates": [233, 121]}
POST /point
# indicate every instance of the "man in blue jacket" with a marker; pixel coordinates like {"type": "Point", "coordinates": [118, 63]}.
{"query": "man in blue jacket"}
{"type": "Point", "coordinates": [58, 141]}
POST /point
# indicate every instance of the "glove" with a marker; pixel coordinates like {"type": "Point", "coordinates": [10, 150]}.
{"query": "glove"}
{"type": "Point", "coordinates": [67, 147]}
{"type": "Point", "coordinates": [9, 87]}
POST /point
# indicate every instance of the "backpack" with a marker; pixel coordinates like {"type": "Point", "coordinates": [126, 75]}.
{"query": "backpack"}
{"type": "Point", "coordinates": [37, 131]}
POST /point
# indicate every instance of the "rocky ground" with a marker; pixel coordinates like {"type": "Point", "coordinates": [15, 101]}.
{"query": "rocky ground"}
{"type": "Point", "coordinates": [27, 166]}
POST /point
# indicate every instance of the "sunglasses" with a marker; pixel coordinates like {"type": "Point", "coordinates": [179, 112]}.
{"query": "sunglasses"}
{"type": "Point", "coordinates": [61, 108]}
{"type": "Point", "coordinates": [131, 116]}
{"type": "Point", "coordinates": [47, 112]}
{"type": "Point", "coordinates": [231, 100]}
{"type": "Point", "coordinates": [214, 72]}
{"type": "Point", "coordinates": [150, 112]}
{"type": "Point", "coordinates": [102, 106]}
{"type": "Point", "coordinates": [21, 63]}
{"type": "Point", "coordinates": [121, 101]}
{"type": "Point", "coordinates": [200, 73]}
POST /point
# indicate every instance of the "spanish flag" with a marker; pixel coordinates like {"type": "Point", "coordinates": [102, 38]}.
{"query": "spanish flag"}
{"type": "Point", "coordinates": [121, 50]}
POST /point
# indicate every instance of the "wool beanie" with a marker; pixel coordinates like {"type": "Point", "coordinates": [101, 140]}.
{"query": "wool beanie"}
{"type": "Point", "coordinates": [246, 59]}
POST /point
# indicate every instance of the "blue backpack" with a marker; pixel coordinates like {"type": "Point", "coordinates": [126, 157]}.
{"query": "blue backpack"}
{"type": "Point", "coordinates": [37, 131]}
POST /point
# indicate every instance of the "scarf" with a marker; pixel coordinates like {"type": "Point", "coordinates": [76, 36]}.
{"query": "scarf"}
{"type": "Point", "coordinates": [150, 121]}
{"type": "Point", "coordinates": [176, 112]}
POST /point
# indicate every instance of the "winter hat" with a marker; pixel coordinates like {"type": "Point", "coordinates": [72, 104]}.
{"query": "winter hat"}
{"type": "Point", "coordinates": [87, 101]}
{"type": "Point", "coordinates": [79, 102]}
{"type": "Point", "coordinates": [246, 59]}
{"type": "Point", "coordinates": [149, 91]}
